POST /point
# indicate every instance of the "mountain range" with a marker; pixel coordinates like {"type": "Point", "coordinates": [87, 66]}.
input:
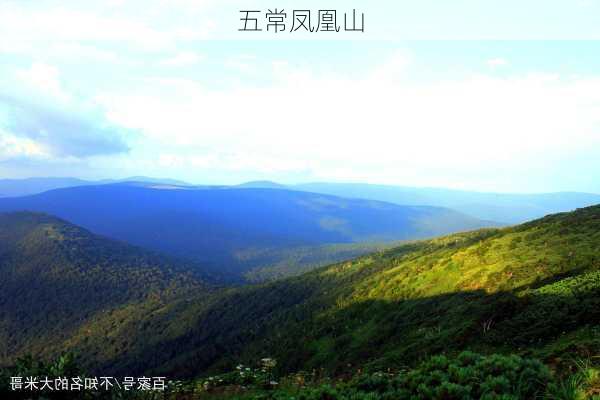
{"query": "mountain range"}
{"type": "Point", "coordinates": [508, 208]}
{"type": "Point", "coordinates": [236, 230]}
{"type": "Point", "coordinates": [29, 186]}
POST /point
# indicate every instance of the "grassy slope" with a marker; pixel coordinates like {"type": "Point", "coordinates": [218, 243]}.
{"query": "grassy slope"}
{"type": "Point", "coordinates": [533, 289]}
{"type": "Point", "coordinates": [274, 264]}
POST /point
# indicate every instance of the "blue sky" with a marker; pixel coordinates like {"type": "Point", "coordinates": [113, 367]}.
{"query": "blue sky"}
{"type": "Point", "coordinates": [108, 89]}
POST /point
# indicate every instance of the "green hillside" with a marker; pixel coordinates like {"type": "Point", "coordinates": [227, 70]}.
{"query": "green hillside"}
{"type": "Point", "coordinates": [270, 264]}
{"type": "Point", "coordinates": [531, 290]}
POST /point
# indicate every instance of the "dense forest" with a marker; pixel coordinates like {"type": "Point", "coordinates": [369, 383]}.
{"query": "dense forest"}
{"type": "Point", "coordinates": [57, 278]}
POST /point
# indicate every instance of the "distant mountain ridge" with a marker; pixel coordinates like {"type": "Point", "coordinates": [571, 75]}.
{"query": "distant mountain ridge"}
{"type": "Point", "coordinates": [213, 226]}
{"type": "Point", "coordinates": [506, 208]}
{"type": "Point", "coordinates": [261, 185]}
{"type": "Point", "coordinates": [30, 186]}
{"type": "Point", "coordinates": [509, 208]}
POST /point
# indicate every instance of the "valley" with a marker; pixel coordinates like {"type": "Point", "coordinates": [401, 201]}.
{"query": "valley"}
{"type": "Point", "coordinates": [234, 231]}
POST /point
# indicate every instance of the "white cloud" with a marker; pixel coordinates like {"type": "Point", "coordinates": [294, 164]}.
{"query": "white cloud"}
{"type": "Point", "coordinates": [497, 63]}
{"type": "Point", "coordinates": [379, 126]}
{"type": "Point", "coordinates": [43, 78]}
{"type": "Point", "coordinates": [145, 24]}
{"type": "Point", "coordinates": [12, 146]}
{"type": "Point", "coordinates": [394, 69]}
{"type": "Point", "coordinates": [83, 52]}
{"type": "Point", "coordinates": [38, 115]}
{"type": "Point", "coordinates": [185, 58]}
{"type": "Point", "coordinates": [244, 63]}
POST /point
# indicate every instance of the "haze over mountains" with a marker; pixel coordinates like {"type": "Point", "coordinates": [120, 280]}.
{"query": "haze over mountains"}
{"type": "Point", "coordinates": [500, 207]}
{"type": "Point", "coordinates": [233, 229]}
{"type": "Point", "coordinates": [28, 186]}
{"type": "Point", "coordinates": [263, 230]}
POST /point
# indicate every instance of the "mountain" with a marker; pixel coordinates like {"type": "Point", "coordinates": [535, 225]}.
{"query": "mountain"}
{"type": "Point", "coordinates": [56, 278]}
{"type": "Point", "coordinates": [502, 207]}
{"type": "Point", "coordinates": [29, 186]}
{"type": "Point", "coordinates": [146, 179]}
{"type": "Point", "coordinates": [261, 185]}
{"type": "Point", "coordinates": [532, 289]}
{"type": "Point", "coordinates": [231, 229]}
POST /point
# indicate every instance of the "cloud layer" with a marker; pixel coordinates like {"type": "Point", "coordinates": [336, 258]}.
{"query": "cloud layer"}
{"type": "Point", "coordinates": [133, 88]}
{"type": "Point", "coordinates": [382, 127]}
{"type": "Point", "coordinates": [39, 118]}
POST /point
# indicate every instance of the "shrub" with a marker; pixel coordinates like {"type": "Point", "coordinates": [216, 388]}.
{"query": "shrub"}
{"type": "Point", "coordinates": [473, 376]}
{"type": "Point", "coordinates": [469, 376]}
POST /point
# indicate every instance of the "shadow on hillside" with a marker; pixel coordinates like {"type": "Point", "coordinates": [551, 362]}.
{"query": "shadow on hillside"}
{"type": "Point", "coordinates": [305, 329]}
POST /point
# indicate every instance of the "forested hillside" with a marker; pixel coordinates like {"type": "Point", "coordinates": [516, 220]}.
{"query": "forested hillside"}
{"type": "Point", "coordinates": [57, 278]}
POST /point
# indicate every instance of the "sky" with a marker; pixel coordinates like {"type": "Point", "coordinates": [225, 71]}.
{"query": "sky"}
{"type": "Point", "coordinates": [479, 95]}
